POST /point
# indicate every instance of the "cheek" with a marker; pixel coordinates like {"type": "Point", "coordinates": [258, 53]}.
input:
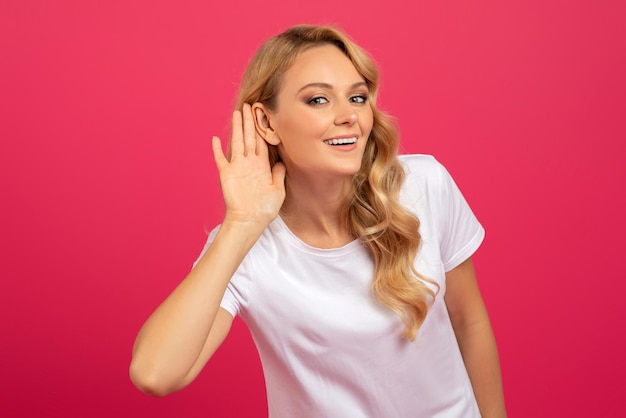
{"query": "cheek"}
{"type": "Point", "coordinates": [302, 126]}
{"type": "Point", "coordinates": [368, 121]}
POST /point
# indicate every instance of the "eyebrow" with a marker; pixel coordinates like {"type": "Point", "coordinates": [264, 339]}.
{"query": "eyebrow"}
{"type": "Point", "coordinates": [328, 86]}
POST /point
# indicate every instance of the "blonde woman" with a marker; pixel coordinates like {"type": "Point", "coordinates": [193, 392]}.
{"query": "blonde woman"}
{"type": "Point", "coordinates": [350, 265]}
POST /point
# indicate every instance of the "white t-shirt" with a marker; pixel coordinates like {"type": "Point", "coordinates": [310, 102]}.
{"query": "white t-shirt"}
{"type": "Point", "coordinates": [328, 347]}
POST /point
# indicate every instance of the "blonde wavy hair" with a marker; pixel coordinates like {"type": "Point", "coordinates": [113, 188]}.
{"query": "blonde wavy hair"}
{"type": "Point", "coordinates": [372, 211]}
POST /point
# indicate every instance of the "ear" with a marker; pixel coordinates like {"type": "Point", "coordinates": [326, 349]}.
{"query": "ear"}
{"type": "Point", "coordinates": [263, 125]}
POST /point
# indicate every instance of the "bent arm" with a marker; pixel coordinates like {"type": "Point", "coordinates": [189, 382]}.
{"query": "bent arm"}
{"type": "Point", "coordinates": [185, 330]}
{"type": "Point", "coordinates": [475, 338]}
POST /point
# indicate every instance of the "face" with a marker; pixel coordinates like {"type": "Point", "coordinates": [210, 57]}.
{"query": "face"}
{"type": "Point", "coordinates": [323, 117]}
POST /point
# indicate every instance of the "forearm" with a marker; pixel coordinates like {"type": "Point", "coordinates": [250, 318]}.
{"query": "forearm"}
{"type": "Point", "coordinates": [475, 338]}
{"type": "Point", "coordinates": [173, 337]}
{"type": "Point", "coordinates": [480, 354]}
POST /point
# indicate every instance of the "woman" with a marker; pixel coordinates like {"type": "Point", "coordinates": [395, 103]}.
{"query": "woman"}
{"type": "Point", "coordinates": [350, 265]}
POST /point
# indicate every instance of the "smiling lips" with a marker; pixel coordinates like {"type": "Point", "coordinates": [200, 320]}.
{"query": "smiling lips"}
{"type": "Point", "coordinates": [341, 141]}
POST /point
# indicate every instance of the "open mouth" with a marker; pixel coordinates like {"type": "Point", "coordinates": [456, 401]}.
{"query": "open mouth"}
{"type": "Point", "coordinates": [341, 141]}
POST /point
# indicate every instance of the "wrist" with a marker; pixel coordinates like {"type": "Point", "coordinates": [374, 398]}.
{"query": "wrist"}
{"type": "Point", "coordinates": [243, 231]}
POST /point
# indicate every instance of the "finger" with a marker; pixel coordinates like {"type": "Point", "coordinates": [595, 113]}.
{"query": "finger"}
{"type": "Point", "coordinates": [218, 153]}
{"type": "Point", "coordinates": [236, 136]}
{"type": "Point", "coordinates": [249, 130]}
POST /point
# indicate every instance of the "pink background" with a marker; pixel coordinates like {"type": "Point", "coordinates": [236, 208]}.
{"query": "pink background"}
{"type": "Point", "coordinates": [108, 185]}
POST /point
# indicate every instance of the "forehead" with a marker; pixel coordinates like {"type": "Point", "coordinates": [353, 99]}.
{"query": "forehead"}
{"type": "Point", "coordinates": [321, 64]}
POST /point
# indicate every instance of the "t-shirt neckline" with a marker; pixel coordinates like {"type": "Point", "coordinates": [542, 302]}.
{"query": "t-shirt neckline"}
{"type": "Point", "coordinates": [281, 228]}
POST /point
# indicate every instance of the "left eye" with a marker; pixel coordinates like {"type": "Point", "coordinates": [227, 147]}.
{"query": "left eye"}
{"type": "Point", "coordinates": [358, 99]}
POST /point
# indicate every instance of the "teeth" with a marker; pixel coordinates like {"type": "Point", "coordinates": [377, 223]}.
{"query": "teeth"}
{"type": "Point", "coordinates": [340, 141]}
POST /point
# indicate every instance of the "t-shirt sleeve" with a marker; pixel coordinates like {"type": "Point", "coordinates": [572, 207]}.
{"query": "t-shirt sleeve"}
{"type": "Point", "coordinates": [236, 292]}
{"type": "Point", "coordinates": [460, 233]}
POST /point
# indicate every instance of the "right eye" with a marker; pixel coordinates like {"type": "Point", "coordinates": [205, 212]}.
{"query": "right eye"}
{"type": "Point", "coordinates": [317, 100]}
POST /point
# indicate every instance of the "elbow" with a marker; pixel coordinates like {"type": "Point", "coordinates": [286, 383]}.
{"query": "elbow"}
{"type": "Point", "coordinates": [149, 380]}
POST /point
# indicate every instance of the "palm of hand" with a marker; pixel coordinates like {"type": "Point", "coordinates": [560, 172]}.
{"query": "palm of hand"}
{"type": "Point", "coordinates": [253, 191]}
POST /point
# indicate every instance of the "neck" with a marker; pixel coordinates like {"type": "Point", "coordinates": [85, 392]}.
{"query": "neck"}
{"type": "Point", "coordinates": [312, 211]}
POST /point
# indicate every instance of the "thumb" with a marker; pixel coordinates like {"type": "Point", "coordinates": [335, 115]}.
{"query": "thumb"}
{"type": "Point", "coordinates": [278, 174]}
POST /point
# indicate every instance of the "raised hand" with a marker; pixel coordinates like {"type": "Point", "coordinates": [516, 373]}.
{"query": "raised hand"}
{"type": "Point", "coordinates": [253, 192]}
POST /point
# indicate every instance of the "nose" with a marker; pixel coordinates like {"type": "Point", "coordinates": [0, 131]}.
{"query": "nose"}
{"type": "Point", "coordinates": [346, 114]}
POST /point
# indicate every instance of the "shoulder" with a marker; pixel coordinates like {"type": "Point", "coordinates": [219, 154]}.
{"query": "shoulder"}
{"type": "Point", "coordinates": [422, 171]}
{"type": "Point", "coordinates": [421, 165]}
{"type": "Point", "coordinates": [417, 159]}
{"type": "Point", "coordinates": [266, 244]}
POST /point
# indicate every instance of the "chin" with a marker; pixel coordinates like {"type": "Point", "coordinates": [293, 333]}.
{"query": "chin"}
{"type": "Point", "coordinates": [350, 170]}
